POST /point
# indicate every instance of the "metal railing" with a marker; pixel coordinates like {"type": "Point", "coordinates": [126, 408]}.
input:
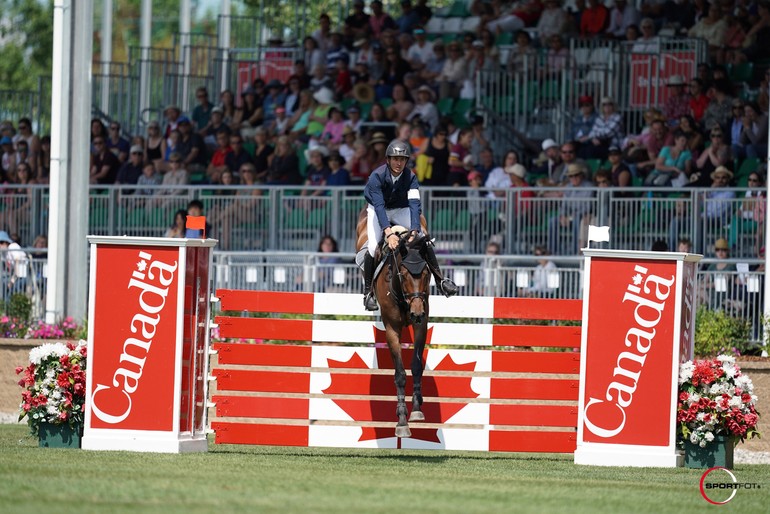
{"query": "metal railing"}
{"type": "Point", "coordinates": [541, 99]}
{"type": "Point", "coordinates": [291, 218]}
{"type": "Point", "coordinates": [738, 292]}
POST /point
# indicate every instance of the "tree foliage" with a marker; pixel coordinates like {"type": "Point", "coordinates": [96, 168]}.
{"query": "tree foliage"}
{"type": "Point", "coordinates": [26, 42]}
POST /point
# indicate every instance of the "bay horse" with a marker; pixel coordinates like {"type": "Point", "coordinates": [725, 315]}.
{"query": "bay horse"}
{"type": "Point", "coordinates": [401, 287]}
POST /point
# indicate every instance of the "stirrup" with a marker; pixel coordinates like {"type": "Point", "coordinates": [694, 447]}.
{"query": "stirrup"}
{"type": "Point", "coordinates": [449, 288]}
{"type": "Point", "coordinates": [370, 302]}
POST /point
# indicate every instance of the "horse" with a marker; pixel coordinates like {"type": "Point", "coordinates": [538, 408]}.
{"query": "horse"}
{"type": "Point", "coordinates": [402, 287]}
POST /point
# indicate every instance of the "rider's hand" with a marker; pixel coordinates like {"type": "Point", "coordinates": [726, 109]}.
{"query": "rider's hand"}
{"type": "Point", "coordinates": [393, 240]}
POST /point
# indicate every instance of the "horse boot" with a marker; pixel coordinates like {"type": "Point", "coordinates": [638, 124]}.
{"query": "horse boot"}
{"type": "Point", "coordinates": [370, 302]}
{"type": "Point", "coordinates": [445, 285]}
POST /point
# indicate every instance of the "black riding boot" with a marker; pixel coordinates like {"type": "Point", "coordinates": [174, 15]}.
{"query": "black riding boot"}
{"type": "Point", "coordinates": [445, 285]}
{"type": "Point", "coordinates": [370, 302]}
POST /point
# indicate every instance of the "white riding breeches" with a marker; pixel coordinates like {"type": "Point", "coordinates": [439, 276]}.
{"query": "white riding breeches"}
{"type": "Point", "coordinates": [401, 216]}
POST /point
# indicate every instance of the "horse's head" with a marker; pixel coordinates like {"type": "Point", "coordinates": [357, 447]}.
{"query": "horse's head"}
{"type": "Point", "coordinates": [413, 277]}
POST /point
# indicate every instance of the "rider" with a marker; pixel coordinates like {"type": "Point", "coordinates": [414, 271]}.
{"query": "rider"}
{"type": "Point", "coordinates": [393, 198]}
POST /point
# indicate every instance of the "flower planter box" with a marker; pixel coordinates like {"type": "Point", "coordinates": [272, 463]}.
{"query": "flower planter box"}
{"type": "Point", "coordinates": [59, 436]}
{"type": "Point", "coordinates": [718, 453]}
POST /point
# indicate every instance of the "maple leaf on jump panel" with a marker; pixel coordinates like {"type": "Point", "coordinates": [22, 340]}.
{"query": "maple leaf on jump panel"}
{"type": "Point", "coordinates": [382, 385]}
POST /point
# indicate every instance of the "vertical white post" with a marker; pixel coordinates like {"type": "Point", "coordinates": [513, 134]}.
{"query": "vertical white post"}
{"type": "Point", "coordinates": [766, 318]}
{"type": "Point", "coordinates": [70, 151]}
{"type": "Point", "coordinates": [224, 44]}
{"type": "Point", "coordinates": [145, 42]}
{"type": "Point", "coordinates": [184, 43]}
{"type": "Point", "coordinates": [106, 54]}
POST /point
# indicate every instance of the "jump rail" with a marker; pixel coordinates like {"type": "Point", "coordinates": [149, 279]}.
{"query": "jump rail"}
{"type": "Point", "coordinates": [515, 389]}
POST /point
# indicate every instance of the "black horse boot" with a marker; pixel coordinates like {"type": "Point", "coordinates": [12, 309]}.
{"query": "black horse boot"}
{"type": "Point", "coordinates": [370, 302]}
{"type": "Point", "coordinates": [445, 285]}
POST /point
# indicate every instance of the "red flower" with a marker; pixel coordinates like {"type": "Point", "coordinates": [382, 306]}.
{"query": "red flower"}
{"type": "Point", "coordinates": [63, 380]}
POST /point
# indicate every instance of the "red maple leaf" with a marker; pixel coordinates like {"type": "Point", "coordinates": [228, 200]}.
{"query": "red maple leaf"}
{"type": "Point", "coordinates": [382, 385]}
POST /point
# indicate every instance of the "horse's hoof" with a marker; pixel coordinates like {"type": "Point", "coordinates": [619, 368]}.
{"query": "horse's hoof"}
{"type": "Point", "coordinates": [416, 415]}
{"type": "Point", "coordinates": [403, 431]}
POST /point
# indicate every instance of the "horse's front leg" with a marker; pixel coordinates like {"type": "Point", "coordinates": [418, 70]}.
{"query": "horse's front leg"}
{"type": "Point", "coordinates": [420, 332]}
{"type": "Point", "coordinates": [394, 343]}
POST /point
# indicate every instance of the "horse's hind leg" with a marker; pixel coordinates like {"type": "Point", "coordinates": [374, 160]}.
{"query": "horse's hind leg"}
{"type": "Point", "coordinates": [402, 428]}
{"type": "Point", "coordinates": [417, 368]}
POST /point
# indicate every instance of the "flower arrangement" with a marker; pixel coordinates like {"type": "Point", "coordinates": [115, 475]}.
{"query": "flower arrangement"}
{"type": "Point", "coordinates": [715, 398]}
{"type": "Point", "coordinates": [54, 385]}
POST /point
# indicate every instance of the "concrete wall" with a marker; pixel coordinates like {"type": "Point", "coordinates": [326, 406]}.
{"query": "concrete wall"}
{"type": "Point", "coordinates": [13, 353]}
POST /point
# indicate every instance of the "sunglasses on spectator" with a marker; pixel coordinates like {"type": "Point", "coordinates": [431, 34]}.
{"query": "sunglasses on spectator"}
{"type": "Point", "coordinates": [721, 249]}
{"type": "Point", "coordinates": [716, 135]}
{"type": "Point", "coordinates": [23, 127]}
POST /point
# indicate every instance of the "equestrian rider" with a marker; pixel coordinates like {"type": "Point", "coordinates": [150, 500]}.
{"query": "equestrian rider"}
{"type": "Point", "coordinates": [393, 198]}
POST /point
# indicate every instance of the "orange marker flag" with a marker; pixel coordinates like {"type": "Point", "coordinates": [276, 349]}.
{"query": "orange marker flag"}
{"type": "Point", "coordinates": [197, 222]}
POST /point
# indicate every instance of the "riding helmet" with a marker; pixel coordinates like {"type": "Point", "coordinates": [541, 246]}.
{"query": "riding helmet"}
{"type": "Point", "coordinates": [398, 148]}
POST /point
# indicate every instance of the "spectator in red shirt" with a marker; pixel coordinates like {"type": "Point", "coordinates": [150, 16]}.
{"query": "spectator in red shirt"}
{"type": "Point", "coordinates": [699, 100]}
{"type": "Point", "coordinates": [594, 18]}
{"type": "Point", "coordinates": [217, 165]}
{"type": "Point", "coordinates": [460, 159]}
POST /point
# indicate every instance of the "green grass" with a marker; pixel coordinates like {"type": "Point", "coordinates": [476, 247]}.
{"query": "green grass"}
{"type": "Point", "coordinates": [273, 479]}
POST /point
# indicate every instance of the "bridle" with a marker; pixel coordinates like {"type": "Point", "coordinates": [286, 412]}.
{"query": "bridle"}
{"type": "Point", "coordinates": [396, 283]}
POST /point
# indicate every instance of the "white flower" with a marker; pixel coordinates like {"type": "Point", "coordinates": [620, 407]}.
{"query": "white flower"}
{"type": "Point", "coordinates": [685, 372]}
{"type": "Point", "coordinates": [725, 359]}
{"type": "Point", "coordinates": [709, 436]}
{"type": "Point", "coordinates": [37, 354]}
{"type": "Point", "coordinates": [718, 389]}
{"type": "Point", "coordinates": [52, 410]}
{"type": "Point", "coordinates": [730, 369]}
{"type": "Point", "coordinates": [735, 401]}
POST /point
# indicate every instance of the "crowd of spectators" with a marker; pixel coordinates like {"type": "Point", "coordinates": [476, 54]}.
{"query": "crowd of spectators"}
{"type": "Point", "coordinates": [374, 76]}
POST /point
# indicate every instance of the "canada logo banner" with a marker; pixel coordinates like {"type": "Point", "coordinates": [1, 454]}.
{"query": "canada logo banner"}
{"type": "Point", "coordinates": [464, 409]}
{"type": "Point", "coordinates": [132, 363]}
{"type": "Point", "coordinates": [629, 356]}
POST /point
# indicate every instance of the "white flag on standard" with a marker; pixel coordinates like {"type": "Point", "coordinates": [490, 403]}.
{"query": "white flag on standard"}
{"type": "Point", "coordinates": [598, 234]}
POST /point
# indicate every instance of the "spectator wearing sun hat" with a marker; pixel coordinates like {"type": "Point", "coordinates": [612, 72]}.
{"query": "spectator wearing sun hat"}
{"type": "Point", "coordinates": [131, 170]}
{"type": "Point", "coordinates": [678, 104]}
{"type": "Point", "coordinates": [425, 108]}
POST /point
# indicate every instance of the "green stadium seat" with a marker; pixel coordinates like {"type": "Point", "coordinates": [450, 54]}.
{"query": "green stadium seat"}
{"type": "Point", "coordinates": [459, 9]}
{"type": "Point", "coordinates": [593, 165]}
{"type": "Point", "coordinates": [445, 105]}
{"type": "Point", "coordinates": [747, 166]}
{"type": "Point", "coordinates": [504, 38]}
{"type": "Point", "coordinates": [386, 102]}
{"type": "Point", "coordinates": [461, 110]}
{"type": "Point", "coordinates": [743, 72]}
